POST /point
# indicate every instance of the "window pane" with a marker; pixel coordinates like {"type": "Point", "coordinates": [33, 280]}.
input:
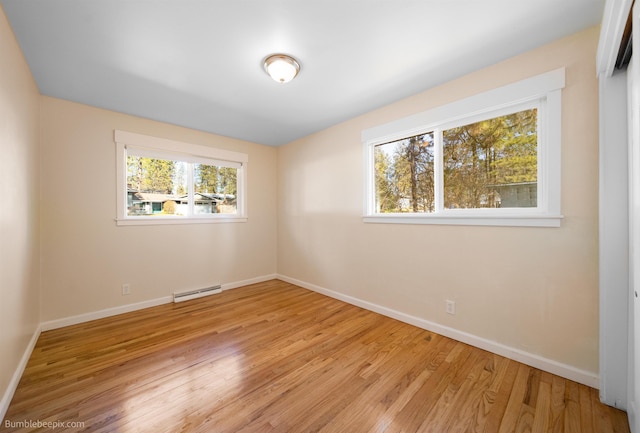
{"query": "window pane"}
{"type": "Point", "coordinates": [155, 187]}
{"type": "Point", "coordinates": [492, 163]}
{"type": "Point", "coordinates": [404, 175]}
{"type": "Point", "coordinates": [215, 189]}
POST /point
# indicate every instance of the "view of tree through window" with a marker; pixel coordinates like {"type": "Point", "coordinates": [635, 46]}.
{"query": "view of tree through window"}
{"type": "Point", "coordinates": [492, 163]}
{"type": "Point", "coordinates": [214, 179]}
{"type": "Point", "coordinates": [487, 164]}
{"type": "Point", "coordinates": [161, 187]}
{"type": "Point", "coordinates": [405, 175]}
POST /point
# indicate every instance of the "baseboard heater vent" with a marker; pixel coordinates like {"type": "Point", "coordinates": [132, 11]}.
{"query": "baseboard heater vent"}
{"type": "Point", "coordinates": [198, 293]}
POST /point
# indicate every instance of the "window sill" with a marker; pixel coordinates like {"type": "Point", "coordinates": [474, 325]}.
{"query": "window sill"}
{"type": "Point", "coordinates": [152, 221]}
{"type": "Point", "coordinates": [469, 220]}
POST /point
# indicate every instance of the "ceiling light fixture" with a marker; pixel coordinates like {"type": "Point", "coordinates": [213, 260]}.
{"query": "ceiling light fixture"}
{"type": "Point", "coordinates": [281, 68]}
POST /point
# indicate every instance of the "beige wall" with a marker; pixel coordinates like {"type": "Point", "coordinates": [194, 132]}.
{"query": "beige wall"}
{"type": "Point", "coordinates": [533, 289]}
{"type": "Point", "coordinates": [19, 188]}
{"type": "Point", "coordinates": [86, 258]}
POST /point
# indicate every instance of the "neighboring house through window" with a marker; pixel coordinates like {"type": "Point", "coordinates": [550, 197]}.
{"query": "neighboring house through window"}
{"type": "Point", "coordinates": [167, 182]}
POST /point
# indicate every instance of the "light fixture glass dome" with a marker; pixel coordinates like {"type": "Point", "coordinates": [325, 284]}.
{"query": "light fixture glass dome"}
{"type": "Point", "coordinates": [281, 68]}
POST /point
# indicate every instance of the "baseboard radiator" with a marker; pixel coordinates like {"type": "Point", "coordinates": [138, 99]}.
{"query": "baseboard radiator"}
{"type": "Point", "coordinates": [198, 293]}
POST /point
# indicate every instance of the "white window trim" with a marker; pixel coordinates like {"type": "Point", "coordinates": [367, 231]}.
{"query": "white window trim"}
{"type": "Point", "coordinates": [546, 89]}
{"type": "Point", "coordinates": [180, 151]}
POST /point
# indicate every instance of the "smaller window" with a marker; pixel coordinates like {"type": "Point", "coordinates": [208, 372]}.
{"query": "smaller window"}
{"type": "Point", "coordinates": [166, 182]}
{"type": "Point", "coordinates": [492, 159]}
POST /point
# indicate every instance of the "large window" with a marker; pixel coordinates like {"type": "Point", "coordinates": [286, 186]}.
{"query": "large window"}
{"type": "Point", "coordinates": [166, 182]}
{"type": "Point", "coordinates": [493, 159]}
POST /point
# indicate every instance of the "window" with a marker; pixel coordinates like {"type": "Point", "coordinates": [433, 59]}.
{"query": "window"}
{"type": "Point", "coordinates": [167, 182]}
{"type": "Point", "coordinates": [492, 159]}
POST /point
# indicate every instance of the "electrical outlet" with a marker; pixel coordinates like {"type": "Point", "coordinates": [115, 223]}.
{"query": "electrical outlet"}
{"type": "Point", "coordinates": [126, 289]}
{"type": "Point", "coordinates": [451, 307]}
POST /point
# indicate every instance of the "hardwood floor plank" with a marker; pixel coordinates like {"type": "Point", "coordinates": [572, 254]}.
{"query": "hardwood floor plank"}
{"type": "Point", "coordinates": [543, 409]}
{"type": "Point", "coordinates": [444, 369]}
{"type": "Point", "coordinates": [273, 357]}
{"type": "Point", "coordinates": [495, 401]}
{"type": "Point", "coordinates": [558, 405]}
{"type": "Point", "coordinates": [470, 415]}
{"type": "Point", "coordinates": [453, 401]}
{"type": "Point", "coordinates": [516, 400]}
{"type": "Point", "coordinates": [573, 417]}
{"type": "Point", "coordinates": [586, 411]}
{"type": "Point", "coordinates": [399, 367]}
{"type": "Point", "coordinates": [398, 397]}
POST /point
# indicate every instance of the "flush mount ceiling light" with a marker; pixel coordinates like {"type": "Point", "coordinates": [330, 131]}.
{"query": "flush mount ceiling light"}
{"type": "Point", "coordinates": [281, 68]}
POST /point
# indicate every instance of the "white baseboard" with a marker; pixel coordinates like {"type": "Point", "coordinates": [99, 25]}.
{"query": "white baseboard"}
{"type": "Point", "coordinates": [108, 312]}
{"type": "Point", "coordinates": [101, 314]}
{"type": "Point", "coordinates": [15, 379]}
{"type": "Point", "coordinates": [567, 371]}
{"type": "Point", "coordinates": [262, 279]}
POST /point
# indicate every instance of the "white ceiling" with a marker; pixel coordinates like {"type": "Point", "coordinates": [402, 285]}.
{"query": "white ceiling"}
{"type": "Point", "coordinates": [198, 63]}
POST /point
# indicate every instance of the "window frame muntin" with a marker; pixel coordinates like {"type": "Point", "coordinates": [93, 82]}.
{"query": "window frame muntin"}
{"type": "Point", "coordinates": [542, 90]}
{"type": "Point", "coordinates": [178, 151]}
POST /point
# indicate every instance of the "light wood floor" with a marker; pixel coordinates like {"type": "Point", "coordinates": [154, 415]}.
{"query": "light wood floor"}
{"type": "Point", "coordinates": [275, 357]}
